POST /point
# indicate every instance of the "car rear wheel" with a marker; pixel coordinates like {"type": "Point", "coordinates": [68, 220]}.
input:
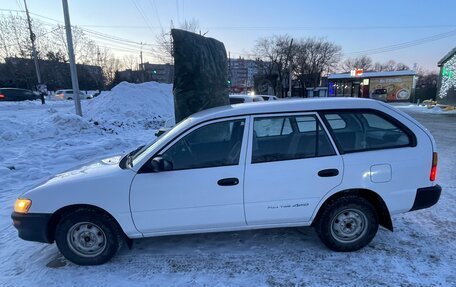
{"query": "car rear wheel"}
{"type": "Point", "coordinates": [347, 224]}
{"type": "Point", "coordinates": [69, 98]}
{"type": "Point", "coordinates": [88, 237]}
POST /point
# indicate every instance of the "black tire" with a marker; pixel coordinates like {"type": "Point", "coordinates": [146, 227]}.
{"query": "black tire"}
{"type": "Point", "coordinates": [69, 98]}
{"type": "Point", "coordinates": [104, 233]}
{"type": "Point", "coordinates": [347, 224]}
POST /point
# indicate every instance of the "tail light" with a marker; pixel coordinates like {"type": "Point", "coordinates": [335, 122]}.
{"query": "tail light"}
{"type": "Point", "coordinates": [434, 166]}
{"type": "Point", "coordinates": [2, 97]}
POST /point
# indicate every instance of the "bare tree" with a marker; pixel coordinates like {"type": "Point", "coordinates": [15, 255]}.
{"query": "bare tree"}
{"type": "Point", "coordinates": [110, 66]}
{"type": "Point", "coordinates": [390, 66]}
{"type": "Point", "coordinates": [165, 43]}
{"type": "Point", "coordinates": [401, 67]}
{"type": "Point", "coordinates": [15, 37]}
{"type": "Point", "coordinates": [362, 62]}
{"type": "Point", "coordinates": [85, 49]}
{"type": "Point", "coordinates": [130, 62]}
{"type": "Point", "coordinates": [313, 58]}
{"type": "Point", "coordinates": [274, 57]}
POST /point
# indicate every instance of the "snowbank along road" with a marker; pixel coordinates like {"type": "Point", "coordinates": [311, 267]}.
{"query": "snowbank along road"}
{"type": "Point", "coordinates": [38, 141]}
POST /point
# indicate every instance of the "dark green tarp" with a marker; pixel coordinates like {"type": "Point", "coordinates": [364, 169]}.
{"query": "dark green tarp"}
{"type": "Point", "coordinates": [200, 73]}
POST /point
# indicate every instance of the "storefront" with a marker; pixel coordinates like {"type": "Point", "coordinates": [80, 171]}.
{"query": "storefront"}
{"type": "Point", "coordinates": [389, 86]}
{"type": "Point", "coordinates": [446, 93]}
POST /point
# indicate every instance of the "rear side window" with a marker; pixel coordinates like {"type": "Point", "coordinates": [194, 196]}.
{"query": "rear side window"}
{"type": "Point", "coordinates": [367, 130]}
{"type": "Point", "coordinates": [236, 101]}
{"type": "Point", "coordinates": [268, 127]}
{"type": "Point", "coordinates": [335, 121]}
{"type": "Point", "coordinates": [287, 138]}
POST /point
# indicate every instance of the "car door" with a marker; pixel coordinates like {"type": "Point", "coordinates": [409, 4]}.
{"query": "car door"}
{"type": "Point", "coordinates": [202, 185]}
{"type": "Point", "coordinates": [68, 95]}
{"type": "Point", "coordinates": [290, 166]}
{"type": "Point", "coordinates": [28, 95]}
{"type": "Point", "coordinates": [15, 95]}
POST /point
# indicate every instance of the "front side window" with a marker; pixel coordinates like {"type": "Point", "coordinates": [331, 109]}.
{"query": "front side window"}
{"type": "Point", "coordinates": [213, 145]}
{"type": "Point", "coordinates": [366, 130]}
{"type": "Point", "coordinates": [287, 138]}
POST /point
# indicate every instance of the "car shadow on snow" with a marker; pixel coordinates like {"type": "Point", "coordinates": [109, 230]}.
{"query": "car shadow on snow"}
{"type": "Point", "coordinates": [229, 242]}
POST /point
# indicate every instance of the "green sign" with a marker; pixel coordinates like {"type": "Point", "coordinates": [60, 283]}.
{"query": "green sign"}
{"type": "Point", "coordinates": [447, 73]}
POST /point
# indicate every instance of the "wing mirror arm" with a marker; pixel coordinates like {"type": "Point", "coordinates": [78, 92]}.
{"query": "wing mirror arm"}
{"type": "Point", "coordinates": [158, 164]}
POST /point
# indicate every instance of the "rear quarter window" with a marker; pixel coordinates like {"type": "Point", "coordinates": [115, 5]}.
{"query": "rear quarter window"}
{"type": "Point", "coordinates": [367, 130]}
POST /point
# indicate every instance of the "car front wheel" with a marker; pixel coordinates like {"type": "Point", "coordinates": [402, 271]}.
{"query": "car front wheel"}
{"type": "Point", "coordinates": [347, 224]}
{"type": "Point", "coordinates": [88, 237]}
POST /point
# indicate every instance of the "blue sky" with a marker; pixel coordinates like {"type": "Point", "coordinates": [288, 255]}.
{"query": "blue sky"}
{"type": "Point", "coordinates": [355, 25]}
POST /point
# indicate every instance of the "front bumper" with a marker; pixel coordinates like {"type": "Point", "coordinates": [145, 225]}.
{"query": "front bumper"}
{"type": "Point", "coordinates": [32, 226]}
{"type": "Point", "coordinates": [426, 197]}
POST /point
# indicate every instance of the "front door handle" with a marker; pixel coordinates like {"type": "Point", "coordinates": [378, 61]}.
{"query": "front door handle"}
{"type": "Point", "coordinates": [328, 172]}
{"type": "Point", "coordinates": [228, 181]}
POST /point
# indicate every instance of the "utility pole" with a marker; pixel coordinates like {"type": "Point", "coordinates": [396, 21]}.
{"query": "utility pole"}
{"type": "Point", "coordinates": [141, 64]}
{"type": "Point", "coordinates": [141, 57]}
{"type": "Point", "coordinates": [74, 73]}
{"type": "Point", "coordinates": [290, 58]}
{"type": "Point", "coordinates": [32, 39]}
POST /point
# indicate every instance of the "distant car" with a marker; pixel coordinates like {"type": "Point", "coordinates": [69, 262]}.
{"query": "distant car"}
{"type": "Point", "coordinates": [269, 98]}
{"type": "Point", "coordinates": [243, 98]}
{"type": "Point", "coordinates": [96, 94]}
{"type": "Point", "coordinates": [69, 95]}
{"type": "Point", "coordinates": [379, 94]}
{"type": "Point", "coordinates": [13, 94]}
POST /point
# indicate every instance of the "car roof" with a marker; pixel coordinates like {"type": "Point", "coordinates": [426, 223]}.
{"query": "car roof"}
{"type": "Point", "coordinates": [17, 89]}
{"type": "Point", "coordinates": [243, 96]}
{"type": "Point", "coordinates": [284, 106]}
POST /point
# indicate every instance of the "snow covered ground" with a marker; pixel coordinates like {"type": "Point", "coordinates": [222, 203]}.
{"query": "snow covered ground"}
{"type": "Point", "coordinates": [37, 141]}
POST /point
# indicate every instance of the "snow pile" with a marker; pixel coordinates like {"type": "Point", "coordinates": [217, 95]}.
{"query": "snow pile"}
{"type": "Point", "coordinates": [421, 251]}
{"type": "Point", "coordinates": [50, 125]}
{"type": "Point", "coordinates": [146, 105]}
{"type": "Point", "coordinates": [425, 109]}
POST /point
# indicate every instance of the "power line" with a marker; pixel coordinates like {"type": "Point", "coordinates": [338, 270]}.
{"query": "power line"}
{"type": "Point", "coordinates": [93, 32]}
{"type": "Point", "coordinates": [130, 45]}
{"type": "Point", "coordinates": [177, 9]}
{"type": "Point", "coordinates": [142, 14]}
{"type": "Point", "coordinates": [291, 28]}
{"type": "Point", "coordinates": [404, 45]}
{"type": "Point", "coordinates": [154, 4]}
{"type": "Point", "coordinates": [19, 4]}
{"type": "Point", "coordinates": [113, 42]}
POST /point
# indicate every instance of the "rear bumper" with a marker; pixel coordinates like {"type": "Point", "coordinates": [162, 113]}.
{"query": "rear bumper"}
{"type": "Point", "coordinates": [426, 197]}
{"type": "Point", "coordinates": [32, 226]}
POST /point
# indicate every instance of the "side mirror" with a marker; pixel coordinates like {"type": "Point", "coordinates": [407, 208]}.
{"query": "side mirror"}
{"type": "Point", "coordinates": [158, 164]}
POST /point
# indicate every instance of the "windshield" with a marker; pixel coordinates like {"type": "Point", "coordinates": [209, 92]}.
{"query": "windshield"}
{"type": "Point", "coordinates": [147, 149]}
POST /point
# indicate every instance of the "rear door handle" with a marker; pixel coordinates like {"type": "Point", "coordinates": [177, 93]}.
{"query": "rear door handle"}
{"type": "Point", "coordinates": [328, 172]}
{"type": "Point", "coordinates": [228, 181]}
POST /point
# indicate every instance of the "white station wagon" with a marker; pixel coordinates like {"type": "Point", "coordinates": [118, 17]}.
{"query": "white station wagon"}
{"type": "Point", "coordinates": [341, 165]}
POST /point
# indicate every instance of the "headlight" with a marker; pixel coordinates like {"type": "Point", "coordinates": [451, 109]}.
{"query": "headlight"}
{"type": "Point", "coordinates": [22, 205]}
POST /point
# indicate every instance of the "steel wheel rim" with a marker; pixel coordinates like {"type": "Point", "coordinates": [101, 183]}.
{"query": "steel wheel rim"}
{"type": "Point", "coordinates": [349, 225]}
{"type": "Point", "coordinates": [86, 239]}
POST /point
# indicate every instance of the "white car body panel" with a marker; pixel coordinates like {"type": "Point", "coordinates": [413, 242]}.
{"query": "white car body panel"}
{"type": "Point", "coordinates": [190, 201]}
{"type": "Point", "coordinates": [102, 184]}
{"type": "Point", "coordinates": [291, 189]}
